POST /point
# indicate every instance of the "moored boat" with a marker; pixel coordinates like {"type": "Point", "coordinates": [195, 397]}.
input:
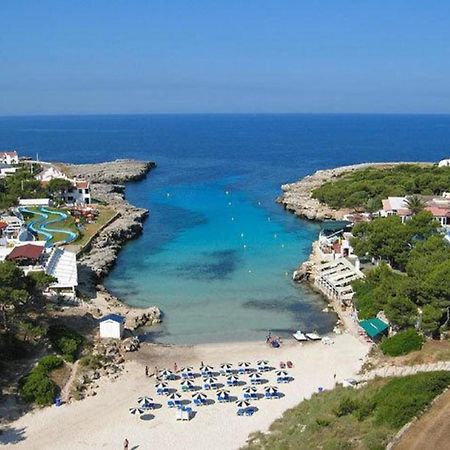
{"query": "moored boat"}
{"type": "Point", "coordinates": [299, 336]}
{"type": "Point", "coordinates": [313, 336]}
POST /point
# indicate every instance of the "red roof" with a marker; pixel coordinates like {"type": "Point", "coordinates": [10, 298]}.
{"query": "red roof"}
{"type": "Point", "coordinates": [27, 251]}
{"type": "Point", "coordinates": [438, 212]}
{"type": "Point", "coordinates": [3, 225]}
{"type": "Point", "coordinates": [11, 153]}
{"type": "Point", "coordinates": [82, 184]}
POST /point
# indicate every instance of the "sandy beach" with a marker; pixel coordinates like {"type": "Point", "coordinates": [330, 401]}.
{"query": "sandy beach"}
{"type": "Point", "coordinates": [105, 420]}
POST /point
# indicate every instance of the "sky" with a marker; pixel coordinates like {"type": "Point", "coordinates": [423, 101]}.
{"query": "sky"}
{"type": "Point", "coordinates": [237, 56]}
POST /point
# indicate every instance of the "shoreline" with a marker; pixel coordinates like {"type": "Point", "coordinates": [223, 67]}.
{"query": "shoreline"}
{"type": "Point", "coordinates": [214, 426]}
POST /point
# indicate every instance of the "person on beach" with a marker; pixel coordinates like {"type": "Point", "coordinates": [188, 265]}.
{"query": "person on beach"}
{"type": "Point", "coordinates": [146, 371]}
{"type": "Point", "coordinates": [125, 444]}
{"type": "Point", "coordinates": [156, 372]}
{"type": "Point", "coordinates": [175, 367]}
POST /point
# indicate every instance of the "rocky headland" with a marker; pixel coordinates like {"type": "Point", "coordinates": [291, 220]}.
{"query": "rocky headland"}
{"type": "Point", "coordinates": [107, 186]}
{"type": "Point", "coordinates": [297, 197]}
{"type": "Point", "coordinates": [99, 255]}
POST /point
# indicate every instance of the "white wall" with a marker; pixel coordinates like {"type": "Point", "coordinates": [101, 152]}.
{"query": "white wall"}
{"type": "Point", "coordinates": [111, 329]}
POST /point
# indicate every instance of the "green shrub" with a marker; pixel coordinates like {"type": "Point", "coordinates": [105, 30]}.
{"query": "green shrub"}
{"type": "Point", "coordinates": [66, 341]}
{"type": "Point", "coordinates": [49, 363]}
{"type": "Point", "coordinates": [346, 406]}
{"type": "Point", "coordinates": [401, 399]}
{"type": "Point", "coordinates": [402, 343]}
{"type": "Point", "coordinates": [323, 421]}
{"type": "Point", "coordinates": [37, 387]}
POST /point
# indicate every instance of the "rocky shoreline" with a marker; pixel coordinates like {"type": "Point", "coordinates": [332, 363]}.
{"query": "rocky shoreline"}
{"type": "Point", "coordinates": [297, 196]}
{"type": "Point", "coordinates": [96, 259]}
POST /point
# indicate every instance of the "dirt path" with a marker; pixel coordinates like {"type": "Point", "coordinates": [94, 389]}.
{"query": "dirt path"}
{"type": "Point", "coordinates": [432, 430]}
{"type": "Point", "coordinates": [65, 392]}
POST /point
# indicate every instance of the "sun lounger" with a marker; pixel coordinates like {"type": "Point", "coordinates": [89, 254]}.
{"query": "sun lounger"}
{"type": "Point", "coordinates": [170, 403]}
{"type": "Point", "coordinates": [240, 411]}
{"type": "Point", "coordinates": [198, 402]}
{"type": "Point", "coordinates": [250, 411]}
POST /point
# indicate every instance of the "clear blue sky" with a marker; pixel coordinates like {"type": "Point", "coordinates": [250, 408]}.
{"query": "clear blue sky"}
{"type": "Point", "coordinates": [136, 56]}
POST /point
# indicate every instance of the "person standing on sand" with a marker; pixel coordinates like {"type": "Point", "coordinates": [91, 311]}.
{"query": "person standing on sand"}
{"type": "Point", "coordinates": [125, 444]}
{"type": "Point", "coordinates": [156, 372]}
{"type": "Point", "coordinates": [175, 367]}
{"type": "Point", "coordinates": [146, 371]}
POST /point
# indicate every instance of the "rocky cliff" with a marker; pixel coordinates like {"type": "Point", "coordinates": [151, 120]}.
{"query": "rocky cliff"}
{"type": "Point", "coordinates": [106, 179]}
{"type": "Point", "coordinates": [297, 197]}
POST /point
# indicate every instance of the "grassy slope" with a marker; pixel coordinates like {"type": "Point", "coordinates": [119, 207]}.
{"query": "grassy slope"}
{"type": "Point", "coordinates": [382, 407]}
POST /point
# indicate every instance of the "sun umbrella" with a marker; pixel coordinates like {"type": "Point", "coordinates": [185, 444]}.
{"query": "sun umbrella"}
{"type": "Point", "coordinates": [281, 373]}
{"type": "Point", "coordinates": [232, 378]}
{"type": "Point", "coordinates": [160, 385]}
{"type": "Point", "coordinates": [206, 368]}
{"type": "Point", "coordinates": [187, 383]}
{"type": "Point", "coordinates": [187, 369]}
{"type": "Point", "coordinates": [144, 400]}
{"type": "Point", "coordinates": [221, 392]}
{"type": "Point", "coordinates": [135, 411]}
{"type": "Point", "coordinates": [226, 366]}
{"type": "Point", "coordinates": [244, 364]}
{"type": "Point", "coordinates": [210, 380]}
{"type": "Point", "coordinates": [249, 389]}
{"type": "Point", "coordinates": [199, 395]}
{"type": "Point", "coordinates": [255, 376]}
{"type": "Point", "coordinates": [174, 396]}
{"type": "Point", "coordinates": [166, 373]}
{"type": "Point", "coordinates": [242, 404]}
{"type": "Point", "coordinates": [271, 389]}
{"type": "Point", "coordinates": [262, 362]}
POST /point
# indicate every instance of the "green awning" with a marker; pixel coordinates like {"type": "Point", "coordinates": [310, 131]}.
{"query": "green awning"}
{"type": "Point", "coordinates": [374, 327]}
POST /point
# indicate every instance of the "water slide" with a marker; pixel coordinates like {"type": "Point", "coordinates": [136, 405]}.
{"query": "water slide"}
{"type": "Point", "coordinates": [41, 224]}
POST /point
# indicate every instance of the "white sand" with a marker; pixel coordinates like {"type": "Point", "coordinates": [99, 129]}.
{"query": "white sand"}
{"type": "Point", "coordinates": [103, 421]}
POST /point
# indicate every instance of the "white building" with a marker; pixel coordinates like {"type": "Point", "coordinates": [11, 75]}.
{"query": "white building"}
{"type": "Point", "coordinates": [9, 157]}
{"type": "Point", "coordinates": [79, 193]}
{"type": "Point", "coordinates": [444, 163]}
{"type": "Point", "coordinates": [34, 202]}
{"type": "Point", "coordinates": [112, 326]}
{"type": "Point", "coordinates": [6, 169]}
{"type": "Point", "coordinates": [62, 265]}
{"type": "Point", "coordinates": [49, 173]}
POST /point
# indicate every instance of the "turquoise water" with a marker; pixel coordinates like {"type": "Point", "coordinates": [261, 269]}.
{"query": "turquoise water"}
{"type": "Point", "coordinates": [226, 275]}
{"type": "Point", "coordinates": [191, 259]}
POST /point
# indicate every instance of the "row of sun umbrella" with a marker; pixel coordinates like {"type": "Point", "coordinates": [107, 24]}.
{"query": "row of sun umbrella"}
{"type": "Point", "coordinates": [145, 402]}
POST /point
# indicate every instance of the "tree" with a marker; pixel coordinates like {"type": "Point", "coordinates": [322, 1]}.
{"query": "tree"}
{"type": "Point", "coordinates": [422, 225]}
{"type": "Point", "coordinates": [13, 289]}
{"type": "Point", "coordinates": [414, 203]}
{"type": "Point", "coordinates": [431, 318]}
{"type": "Point", "coordinates": [57, 186]}
{"type": "Point", "coordinates": [40, 280]}
{"type": "Point", "coordinates": [401, 311]}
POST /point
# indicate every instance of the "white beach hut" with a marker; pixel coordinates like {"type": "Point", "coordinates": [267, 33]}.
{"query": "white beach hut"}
{"type": "Point", "coordinates": [112, 326]}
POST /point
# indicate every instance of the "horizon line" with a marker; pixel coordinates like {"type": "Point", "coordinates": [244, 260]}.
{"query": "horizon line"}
{"type": "Point", "coordinates": [81, 114]}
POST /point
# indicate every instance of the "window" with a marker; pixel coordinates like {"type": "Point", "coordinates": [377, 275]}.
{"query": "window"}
{"type": "Point", "coordinates": [80, 191]}
{"type": "Point", "coordinates": [86, 191]}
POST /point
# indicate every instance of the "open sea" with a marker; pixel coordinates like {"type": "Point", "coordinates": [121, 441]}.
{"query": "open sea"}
{"type": "Point", "coordinates": [217, 252]}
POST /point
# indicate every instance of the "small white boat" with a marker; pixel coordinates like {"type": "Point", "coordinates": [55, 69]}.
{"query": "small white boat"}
{"type": "Point", "coordinates": [313, 336]}
{"type": "Point", "coordinates": [299, 336]}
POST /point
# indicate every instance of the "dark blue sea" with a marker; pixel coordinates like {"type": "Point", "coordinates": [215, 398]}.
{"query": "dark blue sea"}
{"type": "Point", "coordinates": [217, 252]}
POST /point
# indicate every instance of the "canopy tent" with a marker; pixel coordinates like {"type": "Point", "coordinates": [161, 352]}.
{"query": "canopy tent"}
{"type": "Point", "coordinates": [374, 327]}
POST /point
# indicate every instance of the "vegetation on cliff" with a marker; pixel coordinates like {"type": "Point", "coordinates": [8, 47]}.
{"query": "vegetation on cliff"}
{"type": "Point", "coordinates": [346, 418]}
{"type": "Point", "coordinates": [363, 189]}
{"type": "Point", "coordinates": [418, 290]}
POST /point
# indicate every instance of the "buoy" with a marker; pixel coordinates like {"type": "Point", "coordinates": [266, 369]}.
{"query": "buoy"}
{"type": "Point", "coordinates": [229, 203]}
{"type": "Point", "coordinates": [245, 245]}
{"type": "Point", "coordinates": [242, 235]}
{"type": "Point", "coordinates": [275, 235]}
{"type": "Point", "coordinates": [226, 192]}
{"type": "Point", "coordinates": [249, 271]}
{"type": "Point", "coordinates": [232, 218]}
{"type": "Point", "coordinates": [259, 203]}
{"type": "Point", "coordinates": [268, 219]}
{"type": "Point", "coordinates": [168, 194]}
{"type": "Point", "coordinates": [282, 245]}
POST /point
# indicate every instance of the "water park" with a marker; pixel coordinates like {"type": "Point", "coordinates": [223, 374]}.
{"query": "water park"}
{"type": "Point", "coordinates": [55, 226]}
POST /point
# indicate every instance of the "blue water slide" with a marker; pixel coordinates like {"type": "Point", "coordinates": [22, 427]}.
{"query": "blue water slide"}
{"type": "Point", "coordinates": [40, 225]}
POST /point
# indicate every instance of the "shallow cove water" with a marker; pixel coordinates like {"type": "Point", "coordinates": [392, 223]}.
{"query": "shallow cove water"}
{"type": "Point", "coordinates": [213, 261]}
